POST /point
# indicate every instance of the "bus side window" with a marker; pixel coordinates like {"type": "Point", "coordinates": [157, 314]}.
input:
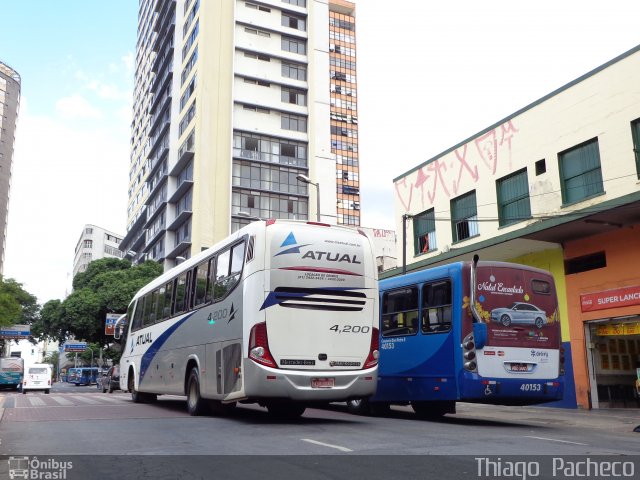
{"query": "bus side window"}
{"type": "Point", "coordinates": [222, 275]}
{"type": "Point", "coordinates": [211, 278]}
{"type": "Point", "coordinates": [137, 319]}
{"type": "Point", "coordinates": [181, 294]}
{"type": "Point", "coordinates": [200, 276]}
{"type": "Point", "coordinates": [436, 307]}
{"type": "Point", "coordinates": [168, 300]}
{"type": "Point", "coordinates": [150, 307]}
{"type": "Point", "coordinates": [237, 261]}
{"type": "Point", "coordinates": [400, 312]}
{"type": "Point", "coordinates": [160, 307]}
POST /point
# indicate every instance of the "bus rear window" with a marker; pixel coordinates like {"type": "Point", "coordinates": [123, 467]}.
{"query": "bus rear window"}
{"type": "Point", "coordinates": [36, 371]}
{"type": "Point", "coordinates": [541, 286]}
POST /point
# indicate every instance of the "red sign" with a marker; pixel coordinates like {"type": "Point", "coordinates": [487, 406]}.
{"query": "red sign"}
{"type": "Point", "coordinates": [619, 297]}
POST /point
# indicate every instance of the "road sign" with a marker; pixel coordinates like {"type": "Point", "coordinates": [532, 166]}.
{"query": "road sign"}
{"type": "Point", "coordinates": [15, 331]}
{"type": "Point", "coordinates": [75, 347]}
{"type": "Point", "coordinates": [110, 323]}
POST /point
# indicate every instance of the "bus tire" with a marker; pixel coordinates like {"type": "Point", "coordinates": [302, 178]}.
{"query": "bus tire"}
{"type": "Point", "coordinates": [505, 320]}
{"type": "Point", "coordinates": [359, 406]}
{"type": "Point", "coordinates": [24, 392]}
{"type": "Point", "coordinates": [196, 405]}
{"type": "Point", "coordinates": [47, 392]}
{"type": "Point", "coordinates": [433, 410]}
{"type": "Point", "coordinates": [286, 410]}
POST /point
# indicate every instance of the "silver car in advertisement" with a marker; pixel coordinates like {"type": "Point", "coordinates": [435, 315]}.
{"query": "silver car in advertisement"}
{"type": "Point", "coordinates": [519, 312]}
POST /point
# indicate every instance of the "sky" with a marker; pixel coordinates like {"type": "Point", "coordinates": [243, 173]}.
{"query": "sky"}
{"type": "Point", "coordinates": [430, 74]}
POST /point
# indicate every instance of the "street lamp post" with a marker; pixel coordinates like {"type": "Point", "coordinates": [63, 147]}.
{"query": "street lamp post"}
{"type": "Point", "coordinates": [405, 217]}
{"type": "Point", "coordinates": [305, 179]}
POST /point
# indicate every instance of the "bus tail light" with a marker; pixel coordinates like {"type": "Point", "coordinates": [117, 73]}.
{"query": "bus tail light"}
{"type": "Point", "coordinates": [259, 346]}
{"type": "Point", "coordinates": [469, 354]}
{"type": "Point", "coordinates": [374, 350]}
{"type": "Point", "coordinates": [561, 360]}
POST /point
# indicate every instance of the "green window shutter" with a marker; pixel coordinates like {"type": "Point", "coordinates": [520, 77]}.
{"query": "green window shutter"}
{"type": "Point", "coordinates": [513, 198]}
{"type": "Point", "coordinates": [635, 133]}
{"type": "Point", "coordinates": [463, 208]}
{"type": "Point", "coordinates": [581, 173]}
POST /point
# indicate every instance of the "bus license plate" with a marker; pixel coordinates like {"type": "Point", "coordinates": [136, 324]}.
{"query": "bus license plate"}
{"type": "Point", "coordinates": [520, 367]}
{"type": "Point", "coordinates": [323, 382]}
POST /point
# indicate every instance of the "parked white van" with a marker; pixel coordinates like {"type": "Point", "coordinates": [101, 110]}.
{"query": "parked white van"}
{"type": "Point", "coordinates": [37, 377]}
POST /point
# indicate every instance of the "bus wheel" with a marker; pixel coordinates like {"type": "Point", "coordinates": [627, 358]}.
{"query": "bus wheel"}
{"type": "Point", "coordinates": [139, 397]}
{"type": "Point", "coordinates": [539, 322]}
{"type": "Point", "coordinates": [286, 410]}
{"type": "Point", "coordinates": [195, 403]}
{"type": "Point", "coordinates": [222, 409]}
{"type": "Point", "coordinates": [359, 406]}
{"type": "Point", "coordinates": [46, 392]}
{"type": "Point", "coordinates": [505, 320]}
{"type": "Point", "coordinates": [433, 410]}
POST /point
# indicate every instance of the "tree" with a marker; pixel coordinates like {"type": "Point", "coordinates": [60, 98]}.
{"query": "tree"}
{"type": "Point", "coordinates": [17, 306]}
{"type": "Point", "coordinates": [107, 286]}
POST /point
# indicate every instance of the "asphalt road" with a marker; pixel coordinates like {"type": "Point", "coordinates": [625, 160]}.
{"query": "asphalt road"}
{"type": "Point", "coordinates": [83, 421]}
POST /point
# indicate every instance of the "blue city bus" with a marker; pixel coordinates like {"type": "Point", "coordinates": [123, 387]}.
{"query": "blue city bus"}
{"type": "Point", "coordinates": [481, 332]}
{"type": "Point", "coordinates": [83, 375]}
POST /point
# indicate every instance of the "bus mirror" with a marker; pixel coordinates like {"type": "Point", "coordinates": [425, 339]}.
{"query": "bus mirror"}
{"type": "Point", "coordinates": [118, 331]}
{"type": "Point", "coordinates": [480, 334]}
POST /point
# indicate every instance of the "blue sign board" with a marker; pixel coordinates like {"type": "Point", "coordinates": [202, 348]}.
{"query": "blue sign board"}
{"type": "Point", "coordinates": [75, 347]}
{"type": "Point", "coordinates": [15, 331]}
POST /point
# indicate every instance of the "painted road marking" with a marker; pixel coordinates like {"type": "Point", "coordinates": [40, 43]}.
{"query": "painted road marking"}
{"type": "Point", "coordinates": [556, 440]}
{"type": "Point", "coordinates": [61, 400]}
{"type": "Point", "coordinates": [337, 447]}
{"type": "Point", "coordinates": [35, 401]}
{"type": "Point", "coordinates": [88, 400]}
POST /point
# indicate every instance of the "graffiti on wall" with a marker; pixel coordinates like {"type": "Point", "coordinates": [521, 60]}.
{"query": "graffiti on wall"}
{"type": "Point", "coordinates": [446, 175]}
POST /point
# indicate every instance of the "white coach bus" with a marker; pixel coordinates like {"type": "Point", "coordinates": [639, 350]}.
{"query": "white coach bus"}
{"type": "Point", "coordinates": [281, 313]}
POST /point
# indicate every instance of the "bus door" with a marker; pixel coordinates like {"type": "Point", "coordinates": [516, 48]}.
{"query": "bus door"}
{"type": "Point", "coordinates": [416, 347]}
{"type": "Point", "coordinates": [321, 303]}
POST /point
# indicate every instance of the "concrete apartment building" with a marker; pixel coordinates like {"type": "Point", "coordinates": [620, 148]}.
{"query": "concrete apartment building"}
{"type": "Point", "coordinates": [241, 109]}
{"type": "Point", "coordinates": [9, 106]}
{"type": "Point", "coordinates": [555, 186]}
{"type": "Point", "coordinates": [95, 243]}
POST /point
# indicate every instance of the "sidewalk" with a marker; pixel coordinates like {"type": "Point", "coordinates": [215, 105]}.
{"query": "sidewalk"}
{"type": "Point", "coordinates": [612, 419]}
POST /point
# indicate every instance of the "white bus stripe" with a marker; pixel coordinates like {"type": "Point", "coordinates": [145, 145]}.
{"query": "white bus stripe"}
{"type": "Point", "coordinates": [61, 400]}
{"type": "Point", "coordinates": [337, 447]}
{"type": "Point", "coordinates": [556, 440]}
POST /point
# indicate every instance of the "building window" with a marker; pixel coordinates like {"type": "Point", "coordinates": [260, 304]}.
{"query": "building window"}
{"type": "Point", "coordinates": [293, 21]}
{"type": "Point", "coordinates": [580, 173]}
{"type": "Point", "coordinates": [294, 45]}
{"type": "Point", "coordinates": [293, 122]}
{"type": "Point", "coordinates": [424, 231]}
{"type": "Point", "coordinates": [297, 72]}
{"type": "Point", "coordinates": [541, 167]}
{"type": "Point", "coordinates": [635, 132]}
{"type": "Point", "coordinates": [294, 96]}
{"type": "Point", "coordinates": [513, 198]}
{"type": "Point", "coordinates": [299, 3]}
{"type": "Point", "coordinates": [464, 217]}
{"type": "Point", "coordinates": [585, 263]}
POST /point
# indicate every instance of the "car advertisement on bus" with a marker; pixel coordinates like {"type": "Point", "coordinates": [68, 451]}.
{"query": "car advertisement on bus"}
{"type": "Point", "coordinates": [519, 307]}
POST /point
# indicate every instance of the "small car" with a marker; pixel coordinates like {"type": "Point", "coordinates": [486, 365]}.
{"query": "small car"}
{"type": "Point", "coordinates": [519, 312]}
{"type": "Point", "coordinates": [110, 380]}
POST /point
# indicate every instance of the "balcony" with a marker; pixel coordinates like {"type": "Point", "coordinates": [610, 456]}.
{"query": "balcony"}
{"type": "Point", "coordinates": [180, 248]}
{"type": "Point", "coordinates": [183, 188]}
{"type": "Point", "coordinates": [245, 154]}
{"type": "Point", "coordinates": [182, 217]}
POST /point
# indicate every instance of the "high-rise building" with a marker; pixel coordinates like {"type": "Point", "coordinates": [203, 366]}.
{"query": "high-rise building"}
{"type": "Point", "coordinates": [241, 109]}
{"type": "Point", "coordinates": [95, 243]}
{"type": "Point", "coordinates": [9, 106]}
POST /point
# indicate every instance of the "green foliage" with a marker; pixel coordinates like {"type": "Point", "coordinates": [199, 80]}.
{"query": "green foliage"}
{"type": "Point", "coordinates": [107, 286]}
{"type": "Point", "coordinates": [17, 306]}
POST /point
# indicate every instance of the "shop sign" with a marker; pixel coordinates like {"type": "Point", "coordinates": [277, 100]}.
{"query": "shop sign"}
{"type": "Point", "coordinates": [619, 329]}
{"type": "Point", "coordinates": [619, 297]}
